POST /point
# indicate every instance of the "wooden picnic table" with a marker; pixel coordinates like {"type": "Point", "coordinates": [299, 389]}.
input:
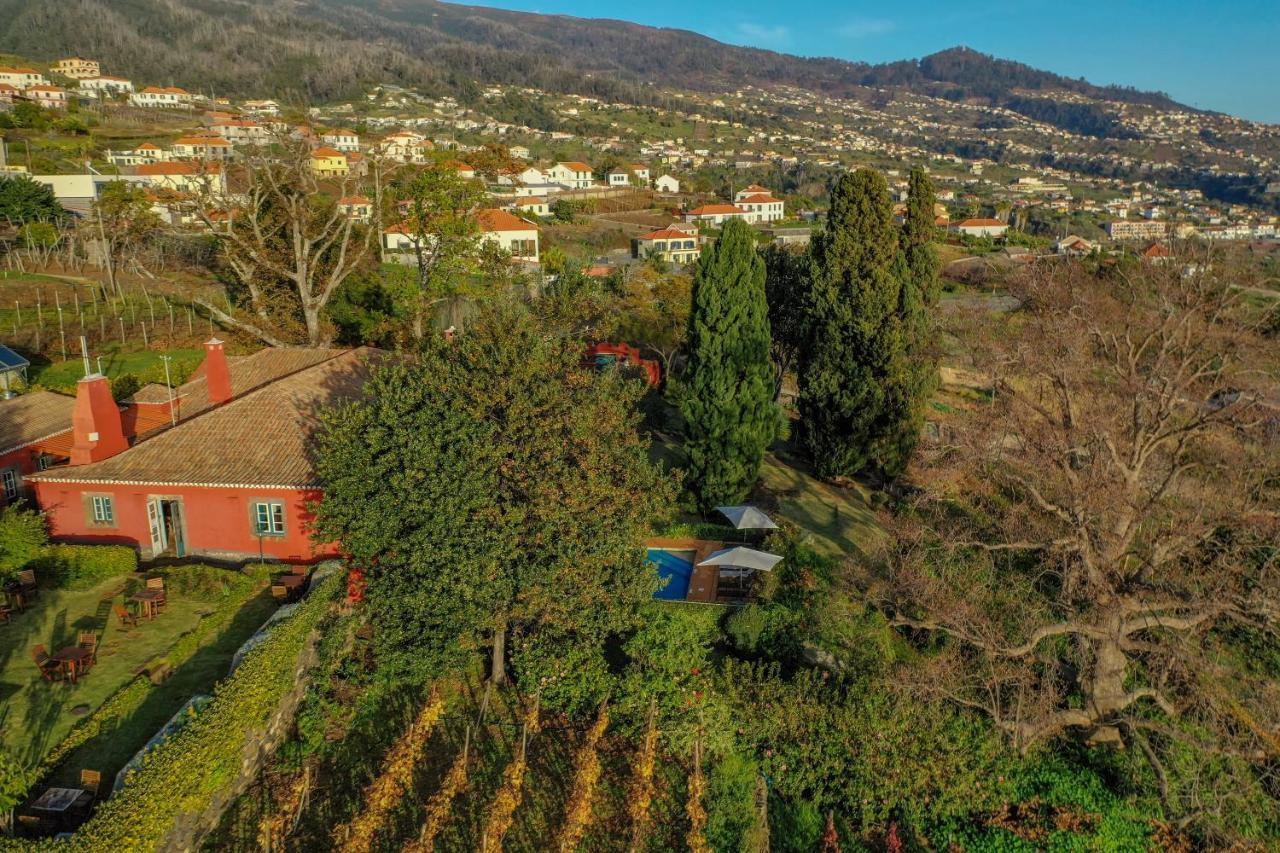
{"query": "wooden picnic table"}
{"type": "Point", "coordinates": [58, 800]}
{"type": "Point", "coordinates": [73, 660]}
{"type": "Point", "coordinates": [146, 600]}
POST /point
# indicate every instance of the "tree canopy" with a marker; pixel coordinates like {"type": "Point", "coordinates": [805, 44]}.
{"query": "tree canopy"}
{"type": "Point", "coordinates": [492, 488]}
{"type": "Point", "coordinates": [854, 334]}
{"type": "Point", "coordinates": [24, 200]}
{"type": "Point", "coordinates": [1097, 548]}
{"type": "Point", "coordinates": [727, 395]}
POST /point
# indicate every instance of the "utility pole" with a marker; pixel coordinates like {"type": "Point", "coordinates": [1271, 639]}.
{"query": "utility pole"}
{"type": "Point", "coordinates": [173, 417]}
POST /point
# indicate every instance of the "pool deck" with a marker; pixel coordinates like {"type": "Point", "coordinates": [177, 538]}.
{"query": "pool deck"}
{"type": "Point", "coordinates": [705, 582]}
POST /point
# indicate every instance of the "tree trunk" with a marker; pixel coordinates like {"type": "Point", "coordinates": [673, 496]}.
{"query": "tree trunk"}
{"type": "Point", "coordinates": [1104, 691]}
{"type": "Point", "coordinates": [499, 672]}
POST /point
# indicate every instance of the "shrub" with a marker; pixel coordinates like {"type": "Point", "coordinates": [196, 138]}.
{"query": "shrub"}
{"type": "Point", "coordinates": [730, 802]}
{"type": "Point", "coordinates": [22, 535]}
{"type": "Point", "coordinates": [84, 566]}
{"type": "Point", "coordinates": [745, 627]}
{"type": "Point", "coordinates": [182, 774]}
{"type": "Point", "coordinates": [209, 583]}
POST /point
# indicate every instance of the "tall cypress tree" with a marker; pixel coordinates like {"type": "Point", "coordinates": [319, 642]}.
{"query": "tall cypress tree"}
{"type": "Point", "coordinates": [854, 336]}
{"type": "Point", "coordinates": [728, 402]}
{"type": "Point", "coordinates": [914, 379]}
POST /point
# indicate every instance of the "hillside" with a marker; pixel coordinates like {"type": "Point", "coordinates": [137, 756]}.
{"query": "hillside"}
{"type": "Point", "coordinates": [329, 49]}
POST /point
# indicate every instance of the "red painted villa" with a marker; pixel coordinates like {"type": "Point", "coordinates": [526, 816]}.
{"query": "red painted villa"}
{"type": "Point", "coordinates": [230, 480]}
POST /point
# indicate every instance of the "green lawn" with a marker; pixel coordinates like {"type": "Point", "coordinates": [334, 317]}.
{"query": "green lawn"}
{"type": "Point", "coordinates": [36, 715]}
{"type": "Point", "coordinates": [117, 361]}
{"type": "Point", "coordinates": [840, 519]}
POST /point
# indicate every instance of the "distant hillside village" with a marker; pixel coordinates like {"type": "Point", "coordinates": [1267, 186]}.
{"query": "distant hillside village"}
{"type": "Point", "coordinates": [720, 170]}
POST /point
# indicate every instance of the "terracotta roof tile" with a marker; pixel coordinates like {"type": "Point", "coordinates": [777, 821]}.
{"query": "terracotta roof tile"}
{"type": "Point", "coordinates": [260, 439]}
{"type": "Point", "coordinates": [492, 219]}
{"type": "Point", "coordinates": [28, 418]}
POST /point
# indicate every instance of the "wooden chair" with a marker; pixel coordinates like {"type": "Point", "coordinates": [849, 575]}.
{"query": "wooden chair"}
{"type": "Point", "coordinates": [158, 583]}
{"type": "Point", "coordinates": [126, 618]}
{"type": "Point", "coordinates": [27, 580]}
{"type": "Point", "coordinates": [48, 667]}
{"type": "Point", "coordinates": [89, 640]}
{"type": "Point", "coordinates": [279, 592]}
{"type": "Point", "coordinates": [91, 780]}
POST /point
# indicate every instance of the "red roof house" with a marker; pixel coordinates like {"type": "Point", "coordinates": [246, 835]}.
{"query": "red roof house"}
{"type": "Point", "coordinates": [232, 479]}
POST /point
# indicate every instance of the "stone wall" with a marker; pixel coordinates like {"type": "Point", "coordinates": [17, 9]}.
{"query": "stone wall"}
{"type": "Point", "coordinates": [189, 830]}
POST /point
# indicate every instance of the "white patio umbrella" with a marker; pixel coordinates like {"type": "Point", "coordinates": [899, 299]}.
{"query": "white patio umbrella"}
{"type": "Point", "coordinates": [747, 518]}
{"type": "Point", "coordinates": [743, 558]}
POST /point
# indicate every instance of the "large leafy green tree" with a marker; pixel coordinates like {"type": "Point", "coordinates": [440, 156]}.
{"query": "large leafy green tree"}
{"type": "Point", "coordinates": [854, 336]}
{"type": "Point", "coordinates": [494, 490]}
{"type": "Point", "coordinates": [442, 231]}
{"type": "Point", "coordinates": [23, 200]}
{"type": "Point", "coordinates": [728, 395]}
{"type": "Point", "coordinates": [914, 378]}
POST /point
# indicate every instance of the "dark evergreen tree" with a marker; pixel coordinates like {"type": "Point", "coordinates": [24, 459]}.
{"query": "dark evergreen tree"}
{"type": "Point", "coordinates": [728, 402]}
{"type": "Point", "coordinates": [853, 328]}
{"type": "Point", "coordinates": [914, 378]}
{"type": "Point", "coordinates": [785, 286]}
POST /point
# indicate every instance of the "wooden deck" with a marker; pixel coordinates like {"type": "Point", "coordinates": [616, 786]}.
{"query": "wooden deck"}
{"type": "Point", "coordinates": [704, 584]}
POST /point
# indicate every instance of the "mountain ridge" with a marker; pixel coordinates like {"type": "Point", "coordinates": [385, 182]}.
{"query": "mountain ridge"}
{"type": "Point", "coordinates": [319, 50]}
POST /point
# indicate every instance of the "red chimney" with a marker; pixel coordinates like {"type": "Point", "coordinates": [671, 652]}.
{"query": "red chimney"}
{"type": "Point", "coordinates": [216, 373]}
{"type": "Point", "coordinates": [95, 422]}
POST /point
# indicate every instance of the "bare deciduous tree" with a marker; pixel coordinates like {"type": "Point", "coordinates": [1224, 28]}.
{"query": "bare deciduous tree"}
{"type": "Point", "coordinates": [288, 240]}
{"type": "Point", "coordinates": [1097, 549]}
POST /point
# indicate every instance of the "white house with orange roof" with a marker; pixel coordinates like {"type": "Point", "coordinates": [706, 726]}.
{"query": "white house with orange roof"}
{"type": "Point", "coordinates": [532, 205]}
{"type": "Point", "coordinates": [518, 237]}
{"type": "Point", "coordinates": [261, 108]}
{"type": "Point", "coordinates": [147, 152]}
{"type": "Point", "coordinates": [405, 146]}
{"type": "Point", "coordinates": [8, 94]}
{"type": "Point", "coordinates": [105, 84]}
{"type": "Point", "coordinates": [183, 177]}
{"type": "Point", "coordinates": [714, 214]}
{"type": "Point", "coordinates": [169, 97]}
{"type": "Point", "coordinates": [201, 148]}
{"type": "Point", "coordinates": [21, 78]}
{"type": "Point", "coordinates": [357, 207]}
{"type": "Point", "coordinates": [239, 131]}
{"type": "Point", "coordinates": [572, 174]}
{"type": "Point", "coordinates": [759, 204]}
{"type": "Point", "coordinates": [341, 138]}
{"type": "Point", "coordinates": [47, 95]}
{"type": "Point", "coordinates": [464, 171]}
{"type": "Point", "coordinates": [77, 68]}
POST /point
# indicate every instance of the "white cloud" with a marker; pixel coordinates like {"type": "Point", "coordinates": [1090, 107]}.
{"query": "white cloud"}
{"type": "Point", "coordinates": [860, 28]}
{"type": "Point", "coordinates": [762, 34]}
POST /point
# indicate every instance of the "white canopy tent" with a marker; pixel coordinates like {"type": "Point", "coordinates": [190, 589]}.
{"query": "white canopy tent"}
{"type": "Point", "coordinates": [743, 558]}
{"type": "Point", "coordinates": [747, 518]}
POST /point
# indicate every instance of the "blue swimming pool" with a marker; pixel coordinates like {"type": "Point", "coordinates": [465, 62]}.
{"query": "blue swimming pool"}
{"type": "Point", "coordinates": [675, 568]}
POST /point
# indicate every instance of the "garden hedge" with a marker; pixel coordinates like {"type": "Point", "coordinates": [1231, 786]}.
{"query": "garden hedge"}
{"type": "Point", "coordinates": [83, 566]}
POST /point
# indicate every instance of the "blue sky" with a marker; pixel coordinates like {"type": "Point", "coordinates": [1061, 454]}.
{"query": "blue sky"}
{"type": "Point", "coordinates": [1213, 54]}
